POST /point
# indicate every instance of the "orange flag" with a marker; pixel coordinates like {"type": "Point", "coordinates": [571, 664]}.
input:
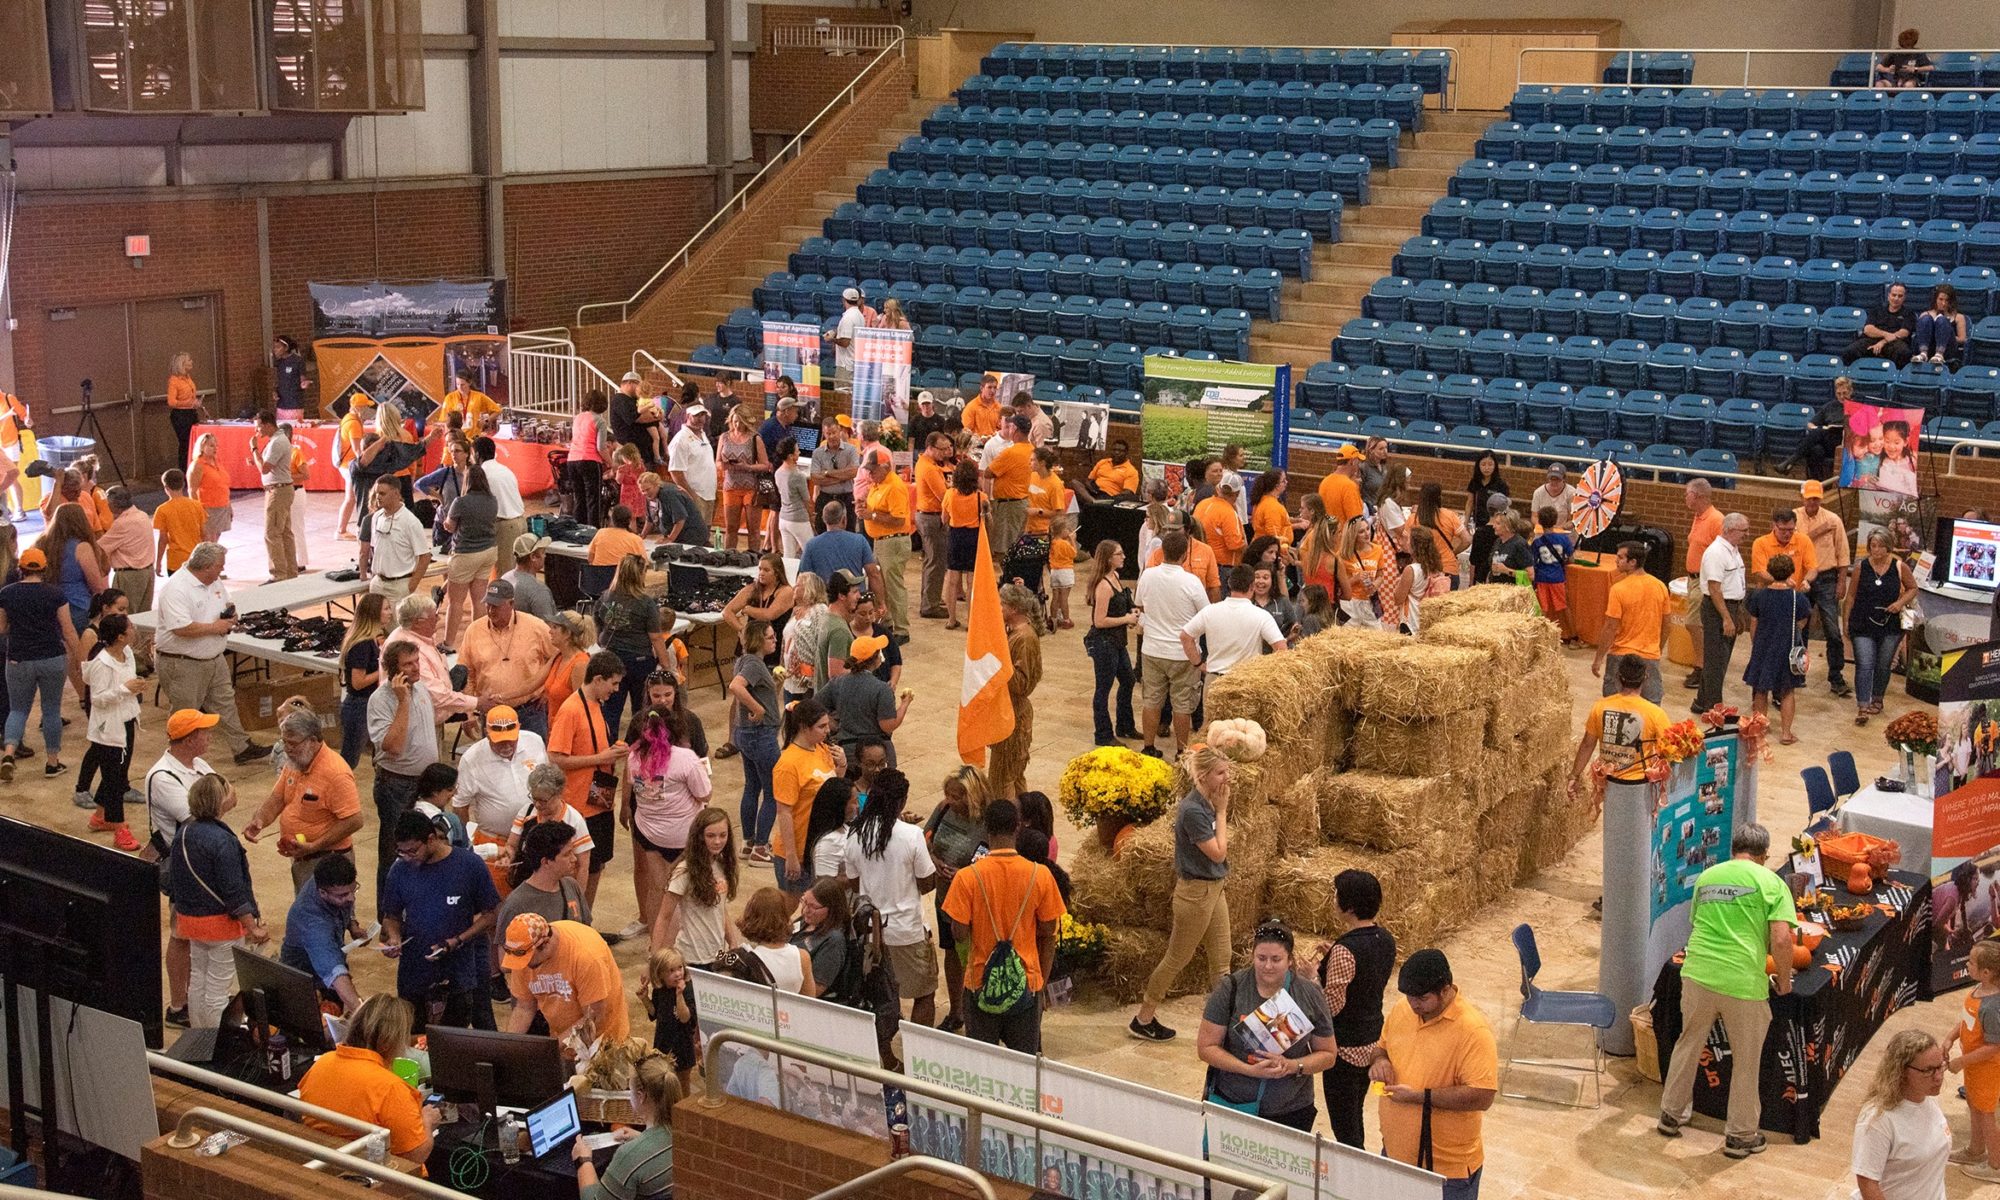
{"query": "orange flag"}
{"type": "Point", "coordinates": [985, 710]}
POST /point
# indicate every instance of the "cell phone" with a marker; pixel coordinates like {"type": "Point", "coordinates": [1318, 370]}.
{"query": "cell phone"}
{"type": "Point", "coordinates": [229, 613]}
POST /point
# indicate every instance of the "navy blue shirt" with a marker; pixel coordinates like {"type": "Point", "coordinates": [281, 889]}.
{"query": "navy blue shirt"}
{"type": "Point", "coordinates": [34, 624]}
{"type": "Point", "coordinates": [837, 550]}
{"type": "Point", "coordinates": [291, 371]}
{"type": "Point", "coordinates": [773, 431]}
{"type": "Point", "coordinates": [437, 901]}
{"type": "Point", "coordinates": [315, 931]}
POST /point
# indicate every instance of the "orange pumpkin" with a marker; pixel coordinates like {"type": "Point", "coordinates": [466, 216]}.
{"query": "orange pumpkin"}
{"type": "Point", "coordinates": [1801, 959]}
{"type": "Point", "coordinates": [1860, 880]}
{"type": "Point", "coordinates": [1124, 835]}
{"type": "Point", "coordinates": [1811, 938]}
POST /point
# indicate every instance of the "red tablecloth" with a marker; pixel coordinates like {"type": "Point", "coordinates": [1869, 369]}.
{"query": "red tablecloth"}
{"type": "Point", "coordinates": [528, 460]}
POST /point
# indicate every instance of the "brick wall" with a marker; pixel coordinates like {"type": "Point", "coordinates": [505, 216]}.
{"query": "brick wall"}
{"type": "Point", "coordinates": [750, 234]}
{"type": "Point", "coordinates": [418, 234]}
{"type": "Point", "coordinates": [789, 87]}
{"type": "Point", "coordinates": [744, 1151]}
{"type": "Point", "coordinates": [576, 243]}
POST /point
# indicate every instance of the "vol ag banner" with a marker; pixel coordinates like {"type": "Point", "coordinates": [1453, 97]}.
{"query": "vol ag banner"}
{"type": "Point", "coordinates": [881, 374]}
{"type": "Point", "coordinates": [1195, 408]}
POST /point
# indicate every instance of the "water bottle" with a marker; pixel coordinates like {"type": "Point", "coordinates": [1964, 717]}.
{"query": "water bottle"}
{"type": "Point", "coordinates": [510, 1140]}
{"type": "Point", "coordinates": [278, 1057]}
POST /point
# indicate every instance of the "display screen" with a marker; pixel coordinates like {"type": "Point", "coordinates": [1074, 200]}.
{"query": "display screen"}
{"type": "Point", "coordinates": [551, 1126]}
{"type": "Point", "coordinates": [1973, 558]}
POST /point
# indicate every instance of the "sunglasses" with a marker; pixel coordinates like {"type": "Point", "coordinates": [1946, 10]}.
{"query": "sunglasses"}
{"type": "Point", "coordinates": [502, 726]}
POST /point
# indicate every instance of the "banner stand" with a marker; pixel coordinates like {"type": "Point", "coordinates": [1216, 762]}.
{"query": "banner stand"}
{"type": "Point", "coordinates": [1628, 916]}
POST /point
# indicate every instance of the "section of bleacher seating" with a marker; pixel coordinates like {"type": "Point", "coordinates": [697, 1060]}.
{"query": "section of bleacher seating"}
{"type": "Point", "coordinates": [1425, 68]}
{"type": "Point", "coordinates": [1864, 110]}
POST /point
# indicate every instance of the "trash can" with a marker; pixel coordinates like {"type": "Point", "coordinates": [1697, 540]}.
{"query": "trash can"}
{"type": "Point", "coordinates": [59, 451]}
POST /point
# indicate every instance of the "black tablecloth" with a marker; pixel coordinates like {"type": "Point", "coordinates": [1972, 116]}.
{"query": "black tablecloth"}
{"type": "Point", "coordinates": [1119, 522]}
{"type": "Point", "coordinates": [1817, 1031]}
{"type": "Point", "coordinates": [553, 1178]}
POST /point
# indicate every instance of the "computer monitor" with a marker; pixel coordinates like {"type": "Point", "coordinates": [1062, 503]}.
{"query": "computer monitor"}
{"type": "Point", "coordinates": [283, 998]}
{"type": "Point", "coordinates": [554, 1125]}
{"type": "Point", "coordinates": [491, 1069]}
{"type": "Point", "coordinates": [1969, 554]}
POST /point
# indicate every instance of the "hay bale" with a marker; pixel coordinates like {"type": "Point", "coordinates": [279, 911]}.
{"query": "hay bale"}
{"type": "Point", "coordinates": [1420, 682]}
{"type": "Point", "coordinates": [1254, 834]}
{"type": "Point", "coordinates": [1130, 954]}
{"type": "Point", "coordinates": [1483, 777]}
{"type": "Point", "coordinates": [1266, 692]}
{"type": "Point", "coordinates": [1546, 738]}
{"type": "Point", "coordinates": [1334, 661]}
{"type": "Point", "coordinates": [1503, 834]}
{"type": "Point", "coordinates": [1416, 747]}
{"type": "Point", "coordinates": [1486, 598]}
{"type": "Point", "coordinates": [1515, 642]}
{"type": "Point", "coordinates": [1298, 814]}
{"type": "Point", "coordinates": [1386, 812]}
{"type": "Point", "coordinates": [1103, 889]}
{"type": "Point", "coordinates": [1560, 821]}
{"type": "Point", "coordinates": [1146, 865]}
{"type": "Point", "coordinates": [1301, 887]}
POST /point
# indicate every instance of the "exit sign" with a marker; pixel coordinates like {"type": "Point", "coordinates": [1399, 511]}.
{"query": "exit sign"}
{"type": "Point", "coordinates": [138, 245]}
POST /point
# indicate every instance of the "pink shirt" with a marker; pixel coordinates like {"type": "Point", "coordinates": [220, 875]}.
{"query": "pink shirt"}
{"type": "Point", "coordinates": [435, 675]}
{"type": "Point", "coordinates": [128, 544]}
{"type": "Point", "coordinates": [583, 438]}
{"type": "Point", "coordinates": [664, 803]}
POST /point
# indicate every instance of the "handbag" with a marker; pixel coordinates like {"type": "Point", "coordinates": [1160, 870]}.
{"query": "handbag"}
{"type": "Point", "coordinates": [603, 784]}
{"type": "Point", "coordinates": [1800, 659]}
{"type": "Point", "coordinates": [1208, 1087]}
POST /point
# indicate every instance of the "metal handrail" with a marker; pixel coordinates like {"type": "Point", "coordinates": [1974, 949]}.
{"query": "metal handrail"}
{"type": "Point", "coordinates": [740, 202]}
{"type": "Point", "coordinates": [1874, 53]}
{"type": "Point", "coordinates": [371, 1135]}
{"type": "Point", "coordinates": [1449, 99]}
{"type": "Point", "coordinates": [1972, 445]}
{"type": "Point", "coordinates": [646, 357]}
{"type": "Point", "coordinates": [546, 359]}
{"type": "Point", "coordinates": [808, 35]}
{"type": "Point", "coordinates": [1509, 456]}
{"type": "Point", "coordinates": [668, 365]}
{"type": "Point", "coordinates": [906, 1166]}
{"type": "Point", "coordinates": [977, 1107]}
{"type": "Point", "coordinates": [186, 1137]}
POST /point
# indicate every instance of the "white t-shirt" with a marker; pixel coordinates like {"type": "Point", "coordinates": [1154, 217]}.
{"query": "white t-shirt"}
{"type": "Point", "coordinates": [1903, 1149]}
{"type": "Point", "coordinates": [582, 843]}
{"type": "Point", "coordinates": [1237, 631]}
{"type": "Point", "coordinates": [1169, 598]}
{"type": "Point", "coordinates": [850, 323]}
{"type": "Point", "coordinates": [506, 489]}
{"type": "Point", "coordinates": [691, 455]}
{"type": "Point", "coordinates": [890, 882]}
{"type": "Point", "coordinates": [167, 786]}
{"type": "Point", "coordinates": [828, 853]}
{"type": "Point", "coordinates": [185, 600]}
{"type": "Point", "coordinates": [1560, 501]}
{"type": "Point", "coordinates": [703, 935]}
{"type": "Point", "coordinates": [1392, 517]}
{"type": "Point", "coordinates": [1722, 563]}
{"type": "Point", "coordinates": [493, 789]}
{"type": "Point", "coordinates": [399, 541]}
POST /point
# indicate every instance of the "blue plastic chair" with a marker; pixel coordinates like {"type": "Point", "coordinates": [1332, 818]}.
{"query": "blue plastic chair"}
{"type": "Point", "coordinates": [1591, 1010]}
{"type": "Point", "coordinates": [1819, 791]}
{"type": "Point", "coordinates": [1846, 782]}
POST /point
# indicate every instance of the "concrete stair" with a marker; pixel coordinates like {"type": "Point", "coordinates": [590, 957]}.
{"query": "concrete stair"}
{"type": "Point", "coordinates": [1370, 234]}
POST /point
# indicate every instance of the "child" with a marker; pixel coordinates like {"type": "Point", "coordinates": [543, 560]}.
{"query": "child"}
{"type": "Point", "coordinates": [111, 677]}
{"type": "Point", "coordinates": [1897, 472]}
{"type": "Point", "coordinates": [629, 468]}
{"type": "Point", "coordinates": [1315, 610]}
{"type": "Point", "coordinates": [1551, 553]}
{"type": "Point", "coordinates": [669, 994]}
{"type": "Point", "coordinates": [1062, 569]}
{"type": "Point", "coordinates": [1864, 459]}
{"type": "Point", "coordinates": [1777, 624]}
{"type": "Point", "coordinates": [179, 520]}
{"type": "Point", "coordinates": [301, 466]}
{"type": "Point", "coordinates": [1510, 547]}
{"type": "Point", "coordinates": [1979, 1058]}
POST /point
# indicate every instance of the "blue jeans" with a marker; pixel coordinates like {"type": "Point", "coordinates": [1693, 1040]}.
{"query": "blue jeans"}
{"type": "Point", "coordinates": [637, 667]}
{"type": "Point", "coordinates": [1463, 1189]}
{"type": "Point", "coordinates": [1872, 656]}
{"type": "Point", "coordinates": [24, 679]}
{"type": "Point", "coordinates": [1826, 603]}
{"type": "Point", "coordinates": [353, 727]}
{"type": "Point", "coordinates": [534, 716]}
{"type": "Point", "coordinates": [1935, 335]}
{"type": "Point", "coordinates": [759, 808]}
{"type": "Point", "coordinates": [1113, 665]}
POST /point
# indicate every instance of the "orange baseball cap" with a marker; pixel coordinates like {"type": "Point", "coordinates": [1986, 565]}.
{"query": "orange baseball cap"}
{"type": "Point", "coordinates": [524, 933]}
{"type": "Point", "coordinates": [187, 720]}
{"type": "Point", "coordinates": [1812, 489]}
{"type": "Point", "coordinates": [33, 559]}
{"type": "Point", "coordinates": [865, 648]}
{"type": "Point", "coordinates": [1348, 452]}
{"type": "Point", "coordinates": [503, 724]}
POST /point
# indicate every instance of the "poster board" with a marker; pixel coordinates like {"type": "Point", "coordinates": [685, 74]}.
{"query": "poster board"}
{"type": "Point", "coordinates": [1691, 833]}
{"type": "Point", "coordinates": [1078, 1169]}
{"type": "Point", "coordinates": [725, 1003]}
{"type": "Point", "coordinates": [791, 351]}
{"type": "Point", "coordinates": [1194, 408]}
{"type": "Point", "coordinates": [104, 1092]}
{"type": "Point", "coordinates": [1007, 1150]}
{"type": "Point", "coordinates": [401, 339]}
{"type": "Point", "coordinates": [1965, 836]}
{"type": "Point", "coordinates": [824, 1095]}
{"type": "Point", "coordinates": [881, 386]}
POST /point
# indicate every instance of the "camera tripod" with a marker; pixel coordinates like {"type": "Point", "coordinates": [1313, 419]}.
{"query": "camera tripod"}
{"type": "Point", "coordinates": [88, 424]}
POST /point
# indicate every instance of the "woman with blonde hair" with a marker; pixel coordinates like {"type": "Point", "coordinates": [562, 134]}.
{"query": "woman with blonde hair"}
{"type": "Point", "coordinates": [361, 671]}
{"type": "Point", "coordinates": [1902, 1141]}
{"type": "Point", "coordinates": [571, 636]}
{"type": "Point", "coordinates": [799, 642]}
{"type": "Point", "coordinates": [642, 1168]}
{"type": "Point", "coordinates": [1354, 570]}
{"type": "Point", "coordinates": [955, 832]}
{"type": "Point", "coordinates": [214, 904]}
{"type": "Point", "coordinates": [356, 1079]}
{"type": "Point", "coordinates": [1021, 611]}
{"type": "Point", "coordinates": [1201, 864]}
{"type": "Point", "coordinates": [741, 455]}
{"type": "Point", "coordinates": [183, 401]}
{"type": "Point", "coordinates": [892, 315]}
{"type": "Point", "coordinates": [209, 483]}
{"type": "Point", "coordinates": [1319, 554]}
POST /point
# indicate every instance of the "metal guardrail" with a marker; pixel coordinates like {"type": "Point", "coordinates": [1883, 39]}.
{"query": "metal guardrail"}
{"type": "Point", "coordinates": [372, 1144]}
{"type": "Point", "coordinates": [907, 1166]}
{"type": "Point", "coordinates": [546, 376]}
{"type": "Point", "coordinates": [1530, 459]}
{"type": "Point", "coordinates": [1976, 447]}
{"type": "Point", "coordinates": [1631, 67]}
{"type": "Point", "coordinates": [977, 1108]}
{"type": "Point", "coordinates": [187, 1136]}
{"type": "Point", "coordinates": [834, 38]}
{"type": "Point", "coordinates": [668, 365]}
{"type": "Point", "coordinates": [643, 361]}
{"type": "Point", "coordinates": [740, 202]}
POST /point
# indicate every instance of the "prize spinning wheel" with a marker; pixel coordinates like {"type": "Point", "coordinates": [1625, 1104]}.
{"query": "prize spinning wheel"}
{"type": "Point", "coordinates": [1597, 497]}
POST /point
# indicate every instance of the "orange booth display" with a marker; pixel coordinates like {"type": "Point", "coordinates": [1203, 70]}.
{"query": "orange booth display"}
{"type": "Point", "coordinates": [1589, 591]}
{"type": "Point", "coordinates": [528, 460]}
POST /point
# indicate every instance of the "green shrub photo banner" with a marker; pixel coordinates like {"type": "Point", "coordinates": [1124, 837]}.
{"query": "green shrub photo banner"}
{"type": "Point", "coordinates": [1195, 408]}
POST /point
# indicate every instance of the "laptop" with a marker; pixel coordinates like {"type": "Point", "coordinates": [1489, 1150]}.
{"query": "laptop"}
{"type": "Point", "coordinates": [553, 1126]}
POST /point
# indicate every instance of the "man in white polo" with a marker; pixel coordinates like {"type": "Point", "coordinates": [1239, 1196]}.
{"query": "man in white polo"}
{"type": "Point", "coordinates": [691, 462]}
{"type": "Point", "coordinates": [1236, 629]}
{"type": "Point", "coordinates": [196, 618]}
{"type": "Point", "coordinates": [397, 554]}
{"type": "Point", "coordinates": [1168, 598]}
{"type": "Point", "coordinates": [510, 513]}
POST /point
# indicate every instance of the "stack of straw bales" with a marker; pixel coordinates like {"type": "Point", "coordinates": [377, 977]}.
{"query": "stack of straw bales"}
{"type": "Point", "coordinates": [1440, 764]}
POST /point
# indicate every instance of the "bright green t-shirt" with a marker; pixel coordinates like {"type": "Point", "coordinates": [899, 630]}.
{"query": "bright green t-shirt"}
{"type": "Point", "coordinates": [1734, 905]}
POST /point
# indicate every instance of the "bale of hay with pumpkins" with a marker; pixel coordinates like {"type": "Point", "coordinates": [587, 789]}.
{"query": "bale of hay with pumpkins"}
{"type": "Point", "coordinates": [1355, 749]}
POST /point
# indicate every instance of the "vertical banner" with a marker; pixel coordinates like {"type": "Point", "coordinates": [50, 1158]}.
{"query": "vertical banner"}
{"type": "Point", "coordinates": [725, 1003]}
{"type": "Point", "coordinates": [1965, 838]}
{"type": "Point", "coordinates": [1006, 1150]}
{"type": "Point", "coordinates": [812, 1091]}
{"type": "Point", "coordinates": [1691, 833]}
{"type": "Point", "coordinates": [791, 351]}
{"type": "Point", "coordinates": [1880, 453]}
{"type": "Point", "coordinates": [881, 374]}
{"type": "Point", "coordinates": [1081, 1170]}
{"type": "Point", "coordinates": [1194, 408]}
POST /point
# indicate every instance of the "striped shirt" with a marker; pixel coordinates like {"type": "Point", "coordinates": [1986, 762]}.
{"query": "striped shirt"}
{"type": "Point", "coordinates": [642, 1169]}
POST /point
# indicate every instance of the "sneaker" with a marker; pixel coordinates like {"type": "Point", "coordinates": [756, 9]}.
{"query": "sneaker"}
{"type": "Point", "coordinates": [1981, 1171]}
{"type": "Point", "coordinates": [82, 800]}
{"type": "Point", "coordinates": [1130, 734]}
{"type": "Point", "coordinates": [1669, 1125]}
{"type": "Point", "coordinates": [6, 768]}
{"type": "Point", "coordinates": [51, 770]}
{"type": "Point", "coordinates": [1842, 690]}
{"type": "Point", "coordinates": [251, 753]}
{"type": "Point", "coordinates": [1693, 680]}
{"type": "Point", "coordinates": [178, 1016]}
{"type": "Point", "coordinates": [497, 988]}
{"type": "Point", "coordinates": [1151, 1031]}
{"type": "Point", "coordinates": [1744, 1147]}
{"type": "Point", "coordinates": [760, 854]}
{"type": "Point", "coordinates": [1966, 1154]}
{"type": "Point", "coordinates": [25, 753]}
{"type": "Point", "coordinates": [123, 839]}
{"type": "Point", "coordinates": [636, 929]}
{"type": "Point", "coordinates": [98, 824]}
{"type": "Point", "coordinates": [1151, 752]}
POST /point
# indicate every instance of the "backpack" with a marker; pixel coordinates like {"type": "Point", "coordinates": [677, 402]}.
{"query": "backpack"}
{"type": "Point", "coordinates": [1004, 990]}
{"type": "Point", "coordinates": [739, 963]}
{"type": "Point", "coordinates": [867, 981]}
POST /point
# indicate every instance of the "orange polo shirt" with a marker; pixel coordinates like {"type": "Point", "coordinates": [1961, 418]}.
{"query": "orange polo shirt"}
{"type": "Point", "coordinates": [891, 496]}
{"type": "Point", "coordinates": [181, 519]}
{"type": "Point", "coordinates": [1342, 497]}
{"type": "Point", "coordinates": [1046, 497]}
{"type": "Point", "coordinates": [931, 485]}
{"type": "Point", "coordinates": [356, 1082]}
{"type": "Point", "coordinates": [1217, 518]}
{"type": "Point", "coordinates": [1702, 533]}
{"type": "Point", "coordinates": [330, 783]}
{"type": "Point", "coordinates": [961, 509]}
{"type": "Point", "coordinates": [981, 417]}
{"type": "Point", "coordinates": [1114, 479]}
{"type": "Point", "coordinates": [1271, 519]}
{"type": "Point", "coordinates": [181, 393]}
{"type": "Point", "coordinates": [1011, 470]}
{"type": "Point", "coordinates": [213, 486]}
{"type": "Point", "coordinates": [1200, 563]}
{"type": "Point", "coordinates": [1640, 603]}
{"type": "Point", "coordinates": [610, 545]}
{"type": "Point", "coordinates": [1805, 560]}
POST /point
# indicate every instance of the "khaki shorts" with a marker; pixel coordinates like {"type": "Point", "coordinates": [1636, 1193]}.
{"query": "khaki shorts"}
{"type": "Point", "coordinates": [1160, 678]}
{"type": "Point", "coordinates": [915, 966]}
{"type": "Point", "coordinates": [472, 567]}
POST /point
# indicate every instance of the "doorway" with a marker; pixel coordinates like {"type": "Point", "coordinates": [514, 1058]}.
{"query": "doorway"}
{"type": "Point", "coordinates": [124, 349]}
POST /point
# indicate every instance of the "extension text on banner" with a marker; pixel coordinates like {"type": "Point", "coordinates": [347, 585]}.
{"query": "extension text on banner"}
{"type": "Point", "coordinates": [1965, 836]}
{"type": "Point", "coordinates": [725, 1003]}
{"type": "Point", "coordinates": [1196, 408]}
{"type": "Point", "coordinates": [1007, 1150]}
{"type": "Point", "coordinates": [1081, 1170]}
{"type": "Point", "coordinates": [881, 374]}
{"type": "Point", "coordinates": [824, 1095]}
